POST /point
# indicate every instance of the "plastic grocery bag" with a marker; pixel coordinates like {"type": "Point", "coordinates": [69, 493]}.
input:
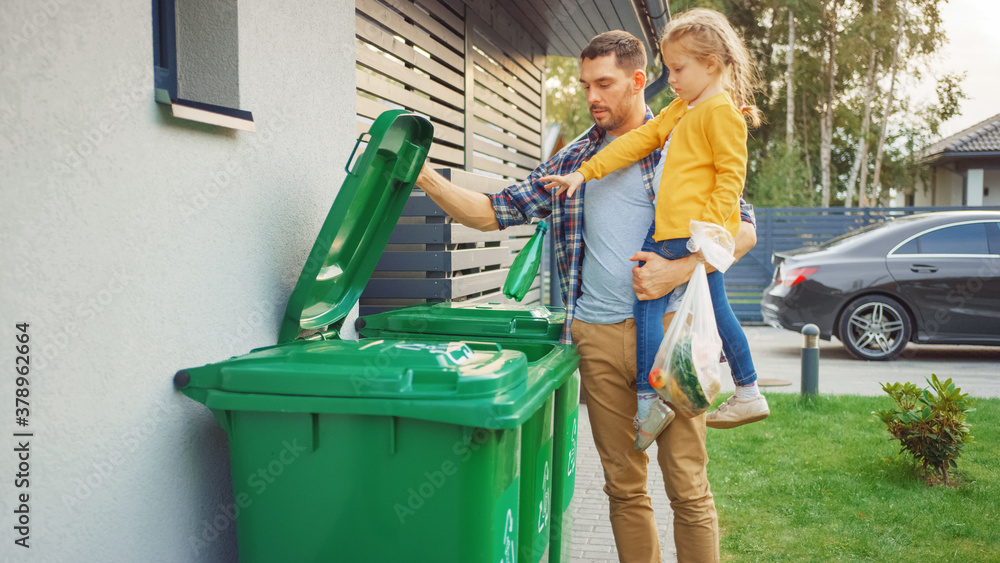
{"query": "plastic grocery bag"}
{"type": "Point", "coordinates": [715, 243]}
{"type": "Point", "coordinates": [685, 371]}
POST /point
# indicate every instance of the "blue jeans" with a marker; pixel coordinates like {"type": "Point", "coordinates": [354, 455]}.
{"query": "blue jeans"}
{"type": "Point", "coordinates": [649, 321]}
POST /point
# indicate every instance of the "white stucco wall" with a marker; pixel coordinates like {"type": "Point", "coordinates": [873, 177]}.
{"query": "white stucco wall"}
{"type": "Point", "coordinates": [949, 190]}
{"type": "Point", "coordinates": [922, 196]}
{"type": "Point", "coordinates": [135, 245]}
{"type": "Point", "coordinates": [991, 181]}
{"type": "Point", "coordinates": [946, 186]}
{"type": "Point", "coordinates": [955, 195]}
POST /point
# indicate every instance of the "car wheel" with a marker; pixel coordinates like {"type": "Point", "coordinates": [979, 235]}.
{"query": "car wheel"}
{"type": "Point", "coordinates": [875, 328]}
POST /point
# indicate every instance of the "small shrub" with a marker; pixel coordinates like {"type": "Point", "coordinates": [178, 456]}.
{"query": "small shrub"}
{"type": "Point", "coordinates": [930, 424]}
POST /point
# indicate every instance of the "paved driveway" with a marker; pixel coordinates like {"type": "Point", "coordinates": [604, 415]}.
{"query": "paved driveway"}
{"type": "Point", "coordinates": [777, 355]}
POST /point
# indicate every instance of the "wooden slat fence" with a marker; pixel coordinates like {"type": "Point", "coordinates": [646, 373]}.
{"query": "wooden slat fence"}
{"type": "Point", "coordinates": [475, 70]}
{"type": "Point", "coordinates": [468, 66]}
{"type": "Point", "coordinates": [431, 259]}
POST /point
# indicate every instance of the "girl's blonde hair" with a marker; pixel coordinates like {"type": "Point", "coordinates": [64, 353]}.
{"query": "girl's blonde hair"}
{"type": "Point", "coordinates": [704, 33]}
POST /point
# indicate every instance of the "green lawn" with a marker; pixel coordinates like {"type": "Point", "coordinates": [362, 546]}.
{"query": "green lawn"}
{"type": "Point", "coordinates": [820, 480]}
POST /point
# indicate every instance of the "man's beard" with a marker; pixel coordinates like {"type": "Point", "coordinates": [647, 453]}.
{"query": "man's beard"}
{"type": "Point", "coordinates": [612, 120]}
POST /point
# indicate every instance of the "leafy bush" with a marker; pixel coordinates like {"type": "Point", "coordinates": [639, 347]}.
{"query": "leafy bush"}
{"type": "Point", "coordinates": [930, 424]}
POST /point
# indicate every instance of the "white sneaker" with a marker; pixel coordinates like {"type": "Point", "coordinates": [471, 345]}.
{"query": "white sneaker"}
{"type": "Point", "coordinates": [737, 412]}
{"type": "Point", "coordinates": [647, 429]}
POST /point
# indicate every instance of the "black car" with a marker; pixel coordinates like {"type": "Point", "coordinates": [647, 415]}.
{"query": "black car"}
{"type": "Point", "coordinates": [931, 278]}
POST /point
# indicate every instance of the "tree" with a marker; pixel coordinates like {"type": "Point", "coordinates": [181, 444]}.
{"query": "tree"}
{"type": "Point", "coordinates": [866, 121]}
{"type": "Point", "coordinates": [834, 76]}
{"type": "Point", "coordinates": [893, 68]}
{"type": "Point", "coordinates": [790, 182]}
{"type": "Point", "coordinates": [828, 108]}
{"type": "Point", "coordinates": [790, 81]}
{"type": "Point", "coordinates": [565, 102]}
{"type": "Point", "coordinates": [861, 155]}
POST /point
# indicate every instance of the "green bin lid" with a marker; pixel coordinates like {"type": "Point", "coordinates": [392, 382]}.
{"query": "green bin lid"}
{"type": "Point", "coordinates": [359, 223]}
{"type": "Point", "coordinates": [370, 368]}
{"type": "Point", "coordinates": [467, 320]}
{"type": "Point", "coordinates": [473, 384]}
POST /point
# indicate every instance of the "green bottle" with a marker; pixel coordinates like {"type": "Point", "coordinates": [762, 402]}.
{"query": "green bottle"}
{"type": "Point", "coordinates": [525, 267]}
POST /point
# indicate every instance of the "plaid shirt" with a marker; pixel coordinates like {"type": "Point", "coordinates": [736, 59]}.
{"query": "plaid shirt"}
{"type": "Point", "coordinates": [519, 203]}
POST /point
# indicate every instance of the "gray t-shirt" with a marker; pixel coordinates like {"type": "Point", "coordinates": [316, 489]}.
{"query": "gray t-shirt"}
{"type": "Point", "coordinates": [616, 217]}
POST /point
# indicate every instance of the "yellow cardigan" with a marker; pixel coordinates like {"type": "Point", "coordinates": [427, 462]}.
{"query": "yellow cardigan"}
{"type": "Point", "coordinates": [705, 167]}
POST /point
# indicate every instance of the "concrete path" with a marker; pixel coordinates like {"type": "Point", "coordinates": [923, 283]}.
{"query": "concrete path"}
{"type": "Point", "coordinates": [593, 541]}
{"type": "Point", "coordinates": [777, 355]}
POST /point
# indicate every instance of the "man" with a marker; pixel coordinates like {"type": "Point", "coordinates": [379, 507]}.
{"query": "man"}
{"type": "Point", "coordinates": [593, 246]}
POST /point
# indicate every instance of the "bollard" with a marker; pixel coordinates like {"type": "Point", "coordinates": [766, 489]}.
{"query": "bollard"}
{"type": "Point", "coordinates": [810, 359]}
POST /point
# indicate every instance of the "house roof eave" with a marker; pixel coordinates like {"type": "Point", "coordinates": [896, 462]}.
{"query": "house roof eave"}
{"type": "Point", "coordinates": [944, 157]}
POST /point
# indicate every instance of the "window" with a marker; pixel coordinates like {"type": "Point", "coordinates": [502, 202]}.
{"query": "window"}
{"type": "Point", "coordinates": [958, 239]}
{"type": "Point", "coordinates": [196, 61]}
{"type": "Point", "coordinates": [993, 235]}
{"type": "Point", "coordinates": [164, 51]}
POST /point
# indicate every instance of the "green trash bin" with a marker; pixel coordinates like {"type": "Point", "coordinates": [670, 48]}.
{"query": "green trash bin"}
{"type": "Point", "coordinates": [490, 321]}
{"type": "Point", "coordinates": [548, 446]}
{"type": "Point", "coordinates": [376, 451]}
{"type": "Point", "coordinates": [566, 411]}
{"type": "Point", "coordinates": [366, 451]}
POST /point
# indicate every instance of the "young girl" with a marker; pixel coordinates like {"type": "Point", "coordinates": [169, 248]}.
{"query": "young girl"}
{"type": "Point", "coordinates": [703, 135]}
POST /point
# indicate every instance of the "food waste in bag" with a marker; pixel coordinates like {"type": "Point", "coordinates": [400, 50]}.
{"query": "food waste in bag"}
{"type": "Point", "coordinates": [685, 371]}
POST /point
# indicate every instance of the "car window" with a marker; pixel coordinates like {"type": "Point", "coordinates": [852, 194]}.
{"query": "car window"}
{"type": "Point", "coordinates": [993, 235]}
{"type": "Point", "coordinates": [849, 236]}
{"type": "Point", "coordinates": [909, 248]}
{"type": "Point", "coordinates": [958, 239]}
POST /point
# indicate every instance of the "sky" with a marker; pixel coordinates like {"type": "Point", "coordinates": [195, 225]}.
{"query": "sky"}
{"type": "Point", "coordinates": [973, 30]}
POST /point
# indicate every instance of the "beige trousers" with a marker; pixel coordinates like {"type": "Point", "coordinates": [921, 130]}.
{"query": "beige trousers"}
{"type": "Point", "coordinates": [607, 372]}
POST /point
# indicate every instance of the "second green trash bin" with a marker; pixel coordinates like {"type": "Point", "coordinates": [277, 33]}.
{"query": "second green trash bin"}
{"type": "Point", "coordinates": [548, 448]}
